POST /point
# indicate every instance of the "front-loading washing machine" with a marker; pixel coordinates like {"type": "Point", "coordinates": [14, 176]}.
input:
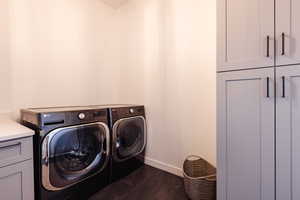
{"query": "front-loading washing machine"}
{"type": "Point", "coordinates": [129, 139]}
{"type": "Point", "coordinates": [71, 151]}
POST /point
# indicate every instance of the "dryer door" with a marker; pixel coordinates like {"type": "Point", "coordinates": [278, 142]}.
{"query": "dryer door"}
{"type": "Point", "coordinates": [72, 154]}
{"type": "Point", "coordinates": [129, 138]}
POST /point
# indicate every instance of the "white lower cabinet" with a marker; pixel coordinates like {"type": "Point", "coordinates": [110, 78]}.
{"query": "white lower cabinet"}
{"type": "Point", "coordinates": [288, 133]}
{"type": "Point", "coordinates": [258, 130]}
{"type": "Point", "coordinates": [16, 169]}
{"type": "Point", "coordinates": [246, 135]}
{"type": "Point", "coordinates": [16, 181]}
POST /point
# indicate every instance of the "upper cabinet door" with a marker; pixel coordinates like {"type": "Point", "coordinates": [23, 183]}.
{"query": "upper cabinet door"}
{"type": "Point", "coordinates": [245, 34]}
{"type": "Point", "coordinates": [288, 32]}
{"type": "Point", "coordinates": [288, 133]}
{"type": "Point", "coordinates": [245, 138]}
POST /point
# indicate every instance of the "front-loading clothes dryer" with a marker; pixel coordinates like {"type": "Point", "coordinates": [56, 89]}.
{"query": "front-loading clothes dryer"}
{"type": "Point", "coordinates": [71, 151]}
{"type": "Point", "coordinates": [129, 139]}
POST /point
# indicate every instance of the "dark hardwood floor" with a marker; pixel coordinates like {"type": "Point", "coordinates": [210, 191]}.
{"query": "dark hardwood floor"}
{"type": "Point", "coordinates": [147, 183]}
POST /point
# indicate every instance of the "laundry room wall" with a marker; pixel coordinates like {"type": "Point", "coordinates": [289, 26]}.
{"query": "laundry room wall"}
{"type": "Point", "coordinates": [190, 76]}
{"type": "Point", "coordinates": [152, 52]}
{"type": "Point", "coordinates": [5, 70]}
{"type": "Point", "coordinates": [168, 64]}
{"type": "Point", "coordinates": [57, 53]}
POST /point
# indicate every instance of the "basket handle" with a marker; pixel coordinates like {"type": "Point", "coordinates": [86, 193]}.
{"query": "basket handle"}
{"type": "Point", "coordinates": [194, 157]}
{"type": "Point", "coordinates": [211, 178]}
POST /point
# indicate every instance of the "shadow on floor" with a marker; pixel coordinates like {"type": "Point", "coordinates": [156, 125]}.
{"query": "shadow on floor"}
{"type": "Point", "coordinates": [147, 183]}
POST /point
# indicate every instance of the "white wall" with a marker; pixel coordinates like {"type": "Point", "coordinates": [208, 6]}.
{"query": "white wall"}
{"type": "Point", "coordinates": [168, 64]}
{"type": "Point", "coordinates": [115, 3]}
{"type": "Point", "coordinates": [190, 77]}
{"type": "Point", "coordinates": [5, 70]}
{"type": "Point", "coordinates": [58, 52]}
{"type": "Point", "coordinates": [152, 52]}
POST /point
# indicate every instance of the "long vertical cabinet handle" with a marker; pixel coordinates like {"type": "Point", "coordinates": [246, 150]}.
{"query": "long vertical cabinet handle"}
{"type": "Point", "coordinates": [283, 87]}
{"type": "Point", "coordinates": [268, 46]}
{"type": "Point", "coordinates": [268, 87]}
{"type": "Point", "coordinates": [283, 44]}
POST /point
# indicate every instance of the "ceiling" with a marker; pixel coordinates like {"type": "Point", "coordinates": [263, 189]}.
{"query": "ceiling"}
{"type": "Point", "coordinates": [115, 3]}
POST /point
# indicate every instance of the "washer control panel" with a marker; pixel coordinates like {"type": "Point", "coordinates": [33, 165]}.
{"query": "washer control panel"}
{"type": "Point", "coordinates": [88, 116]}
{"type": "Point", "coordinates": [131, 110]}
{"type": "Point", "coordinates": [81, 116]}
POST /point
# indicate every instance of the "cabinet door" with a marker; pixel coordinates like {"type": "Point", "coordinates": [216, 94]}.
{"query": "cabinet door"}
{"type": "Point", "coordinates": [288, 133]}
{"type": "Point", "coordinates": [245, 137]}
{"type": "Point", "coordinates": [288, 32]}
{"type": "Point", "coordinates": [16, 181]}
{"type": "Point", "coordinates": [244, 27]}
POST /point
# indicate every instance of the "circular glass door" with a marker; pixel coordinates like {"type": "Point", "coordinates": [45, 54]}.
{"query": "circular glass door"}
{"type": "Point", "coordinates": [129, 137]}
{"type": "Point", "coordinates": [72, 154]}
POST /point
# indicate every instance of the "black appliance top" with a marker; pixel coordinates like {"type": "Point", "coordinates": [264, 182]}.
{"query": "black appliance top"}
{"type": "Point", "coordinates": [51, 117]}
{"type": "Point", "coordinates": [63, 116]}
{"type": "Point", "coordinates": [76, 108]}
{"type": "Point", "coordinates": [58, 109]}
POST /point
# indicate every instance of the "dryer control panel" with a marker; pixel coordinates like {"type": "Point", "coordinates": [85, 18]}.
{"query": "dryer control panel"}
{"type": "Point", "coordinates": [125, 112]}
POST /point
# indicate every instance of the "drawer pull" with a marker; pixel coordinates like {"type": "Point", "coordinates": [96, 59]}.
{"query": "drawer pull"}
{"type": "Point", "coordinates": [283, 87]}
{"type": "Point", "coordinates": [283, 44]}
{"type": "Point", "coordinates": [268, 46]}
{"type": "Point", "coordinates": [268, 87]}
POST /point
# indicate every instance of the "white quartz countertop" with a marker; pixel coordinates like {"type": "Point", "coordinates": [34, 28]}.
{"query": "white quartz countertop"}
{"type": "Point", "coordinates": [10, 129]}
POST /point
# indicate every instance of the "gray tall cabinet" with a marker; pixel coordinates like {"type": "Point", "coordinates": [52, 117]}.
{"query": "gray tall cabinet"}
{"type": "Point", "coordinates": [258, 72]}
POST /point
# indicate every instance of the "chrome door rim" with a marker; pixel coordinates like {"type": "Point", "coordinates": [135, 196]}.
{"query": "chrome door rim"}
{"type": "Point", "coordinates": [114, 148]}
{"type": "Point", "coordinates": [45, 156]}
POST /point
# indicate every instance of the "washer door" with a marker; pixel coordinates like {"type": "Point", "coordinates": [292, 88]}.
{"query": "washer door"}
{"type": "Point", "coordinates": [72, 154]}
{"type": "Point", "coordinates": [129, 138]}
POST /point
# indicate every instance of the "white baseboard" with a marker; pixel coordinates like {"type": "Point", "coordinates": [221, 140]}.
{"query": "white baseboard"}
{"type": "Point", "coordinates": [163, 166]}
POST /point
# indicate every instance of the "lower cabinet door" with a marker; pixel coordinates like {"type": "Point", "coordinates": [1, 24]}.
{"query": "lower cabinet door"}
{"type": "Point", "coordinates": [245, 137]}
{"type": "Point", "coordinates": [288, 133]}
{"type": "Point", "coordinates": [16, 181]}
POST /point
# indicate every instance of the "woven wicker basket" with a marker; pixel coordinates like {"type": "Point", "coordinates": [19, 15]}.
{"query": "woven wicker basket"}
{"type": "Point", "coordinates": [199, 178]}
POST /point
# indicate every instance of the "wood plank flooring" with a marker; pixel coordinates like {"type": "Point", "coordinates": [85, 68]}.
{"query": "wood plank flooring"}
{"type": "Point", "coordinates": [147, 183]}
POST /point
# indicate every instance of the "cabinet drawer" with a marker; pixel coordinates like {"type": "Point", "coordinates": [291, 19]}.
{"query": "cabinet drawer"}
{"type": "Point", "coordinates": [14, 151]}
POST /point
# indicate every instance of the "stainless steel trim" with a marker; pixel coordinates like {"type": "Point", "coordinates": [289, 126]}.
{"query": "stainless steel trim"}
{"type": "Point", "coordinates": [115, 138]}
{"type": "Point", "coordinates": [46, 154]}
